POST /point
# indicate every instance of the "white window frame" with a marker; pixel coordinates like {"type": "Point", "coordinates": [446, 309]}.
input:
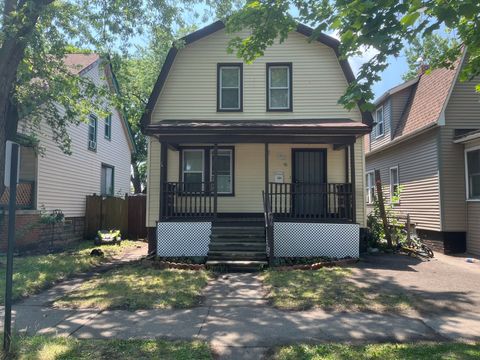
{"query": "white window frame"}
{"type": "Point", "coordinates": [392, 184]}
{"type": "Point", "coordinates": [239, 87]}
{"type": "Point", "coordinates": [370, 199]}
{"type": "Point", "coordinates": [92, 144]}
{"type": "Point", "coordinates": [270, 87]}
{"type": "Point", "coordinates": [106, 166]}
{"type": "Point", "coordinates": [231, 169]}
{"type": "Point", "coordinates": [108, 123]}
{"type": "Point", "coordinates": [193, 171]}
{"type": "Point", "coordinates": [467, 182]}
{"type": "Point", "coordinates": [377, 134]}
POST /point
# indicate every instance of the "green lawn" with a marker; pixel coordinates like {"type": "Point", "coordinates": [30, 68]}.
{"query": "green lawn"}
{"type": "Point", "coordinates": [58, 348]}
{"type": "Point", "coordinates": [138, 286]}
{"type": "Point", "coordinates": [329, 289]}
{"type": "Point", "coordinates": [417, 351]}
{"type": "Point", "coordinates": [35, 273]}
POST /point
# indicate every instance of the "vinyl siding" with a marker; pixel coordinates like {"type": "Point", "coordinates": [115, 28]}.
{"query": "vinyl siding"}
{"type": "Point", "coordinates": [462, 112]}
{"type": "Point", "coordinates": [249, 175]}
{"type": "Point", "coordinates": [376, 142]}
{"type": "Point", "coordinates": [418, 172]}
{"type": "Point", "coordinates": [63, 181]}
{"type": "Point", "coordinates": [190, 91]}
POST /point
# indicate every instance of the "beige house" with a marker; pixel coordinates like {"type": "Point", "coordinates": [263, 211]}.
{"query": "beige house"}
{"type": "Point", "coordinates": [222, 132]}
{"type": "Point", "coordinates": [423, 142]}
{"type": "Point", "coordinates": [99, 163]}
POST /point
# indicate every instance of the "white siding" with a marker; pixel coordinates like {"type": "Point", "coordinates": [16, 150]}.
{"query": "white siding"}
{"type": "Point", "coordinates": [63, 181]}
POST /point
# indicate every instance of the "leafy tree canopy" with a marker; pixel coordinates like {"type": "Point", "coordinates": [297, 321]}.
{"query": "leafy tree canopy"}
{"type": "Point", "coordinates": [384, 25]}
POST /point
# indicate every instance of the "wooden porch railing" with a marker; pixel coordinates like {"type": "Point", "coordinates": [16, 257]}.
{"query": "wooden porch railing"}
{"type": "Point", "coordinates": [189, 200]}
{"type": "Point", "coordinates": [330, 202]}
{"type": "Point", "coordinates": [267, 212]}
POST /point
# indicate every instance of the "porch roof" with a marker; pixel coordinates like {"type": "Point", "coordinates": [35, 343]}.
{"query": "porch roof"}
{"type": "Point", "coordinates": [304, 130]}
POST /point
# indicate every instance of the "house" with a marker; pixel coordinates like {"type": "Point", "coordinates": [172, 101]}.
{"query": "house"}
{"type": "Point", "coordinates": [222, 132]}
{"type": "Point", "coordinates": [424, 142]}
{"type": "Point", "coordinates": [99, 163]}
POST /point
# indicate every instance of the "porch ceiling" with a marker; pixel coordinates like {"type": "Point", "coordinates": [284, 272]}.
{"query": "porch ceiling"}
{"type": "Point", "coordinates": [330, 131]}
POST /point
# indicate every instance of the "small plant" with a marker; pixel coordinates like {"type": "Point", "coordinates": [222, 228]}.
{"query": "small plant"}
{"type": "Point", "coordinates": [108, 237]}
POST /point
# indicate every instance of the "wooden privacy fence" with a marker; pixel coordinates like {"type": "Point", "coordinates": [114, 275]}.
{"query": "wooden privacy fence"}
{"type": "Point", "coordinates": [126, 214]}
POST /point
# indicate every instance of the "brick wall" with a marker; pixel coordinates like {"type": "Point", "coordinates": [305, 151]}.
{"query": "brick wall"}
{"type": "Point", "coordinates": [31, 234]}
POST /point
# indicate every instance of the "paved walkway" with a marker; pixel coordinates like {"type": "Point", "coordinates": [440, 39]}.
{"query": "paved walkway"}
{"type": "Point", "coordinates": [238, 323]}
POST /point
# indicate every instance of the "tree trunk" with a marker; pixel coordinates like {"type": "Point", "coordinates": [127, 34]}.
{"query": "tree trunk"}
{"type": "Point", "coordinates": [136, 181]}
{"type": "Point", "coordinates": [12, 51]}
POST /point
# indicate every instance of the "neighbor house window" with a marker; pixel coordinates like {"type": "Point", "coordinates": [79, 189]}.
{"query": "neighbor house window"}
{"type": "Point", "coordinates": [193, 169]}
{"type": "Point", "coordinates": [92, 133]}
{"type": "Point", "coordinates": [107, 180]}
{"type": "Point", "coordinates": [279, 87]}
{"type": "Point", "coordinates": [224, 167]}
{"type": "Point", "coordinates": [473, 174]}
{"type": "Point", "coordinates": [394, 185]}
{"type": "Point", "coordinates": [108, 127]}
{"type": "Point", "coordinates": [380, 128]}
{"type": "Point", "coordinates": [370, 187]}
{"type": "Point", "coordinates": [229, 83]}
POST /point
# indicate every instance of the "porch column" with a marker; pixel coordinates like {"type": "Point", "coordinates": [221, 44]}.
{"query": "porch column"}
{"type": "Point", "coordinates": [352, 180]}
{"type": "Point", "coordinates": [215, 186]}
{"type": "Point", "coordinates": [163, 178]}
{"type": "Point", "coordinates": [266, 171]}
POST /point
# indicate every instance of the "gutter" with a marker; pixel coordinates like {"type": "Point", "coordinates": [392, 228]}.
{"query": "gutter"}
{"type": "Point", "coordinates": [403, 138]}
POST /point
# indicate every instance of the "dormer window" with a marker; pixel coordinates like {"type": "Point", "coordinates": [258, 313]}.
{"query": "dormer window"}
{"type": "Point", "coordinates": [230, 87]}
{"type": "Point", "coordinates": [380, 127]}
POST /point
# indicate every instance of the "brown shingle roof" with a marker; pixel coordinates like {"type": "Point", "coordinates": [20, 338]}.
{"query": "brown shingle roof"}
{"type": "Point", "coordinates": [427, 101]}
{"type": "Point", "coordinates": [78, 62]}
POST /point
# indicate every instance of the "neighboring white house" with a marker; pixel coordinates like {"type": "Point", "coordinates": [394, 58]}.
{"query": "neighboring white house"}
{"type": "Point", "coordinates": [100, 159]}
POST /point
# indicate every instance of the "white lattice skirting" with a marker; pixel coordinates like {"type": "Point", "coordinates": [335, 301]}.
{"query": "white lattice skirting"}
{"type": "Point", "coordinates": [183, 238]}
{"type": "Point", "coordinates": [313, 239]}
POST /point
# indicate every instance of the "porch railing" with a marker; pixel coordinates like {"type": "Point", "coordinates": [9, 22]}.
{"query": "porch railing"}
{"type": "Point", "coordinates": [25, 195]}
{"type": "Point", "coordinates": [316, 201]}
{"type": "Point", "coordinates": [188, 200]}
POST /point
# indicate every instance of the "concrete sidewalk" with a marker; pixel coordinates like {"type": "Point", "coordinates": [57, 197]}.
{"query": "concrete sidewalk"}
{"type": "Point", "coordinates": [237, 321]}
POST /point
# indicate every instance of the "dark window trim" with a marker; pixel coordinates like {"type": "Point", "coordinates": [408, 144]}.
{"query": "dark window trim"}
{"type": "Point", "coordinates": [109, 137]}
{"type": "Point", "coordinates": [113, 178]}
{"type": "Point", "coordinates": [290, 73]}
{"type": "Point", "coordinates": [219, 66]}
{"type": "Point", "coordinates": [207, 150]}
{"type": "Point", "coordinates": [94, 117]}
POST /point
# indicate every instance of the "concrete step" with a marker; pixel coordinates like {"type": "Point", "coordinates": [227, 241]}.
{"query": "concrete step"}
{"type": "Point", "coordinates": [236, 246]}
{"type": "Point", "coordinates": [237, 265]}
{"type": "Point", "coordinates": [236, 255]}
{"type": "Point", "coordinates": [237, 238]}
{"type": "Point", "coordinates": [238, 228]}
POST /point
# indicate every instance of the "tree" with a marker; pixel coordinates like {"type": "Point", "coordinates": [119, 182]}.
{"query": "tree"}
{"type": "Point", "coordinates": [426, 50]}
{"type": "Point", "coordinates": [35, 35]}
{"type": "Point", "coordinates": [384, 25]}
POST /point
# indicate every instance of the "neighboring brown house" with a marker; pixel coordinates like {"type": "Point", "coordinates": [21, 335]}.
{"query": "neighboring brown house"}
{"type": "Point", "coordinates": [427, 129]}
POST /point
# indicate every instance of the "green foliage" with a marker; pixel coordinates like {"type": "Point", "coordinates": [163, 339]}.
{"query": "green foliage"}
{"type": "Point", "coordinates": [385, 26]}
{"type": "Point", "coordinates": [426, 50]}
{"type": "Point", "coordinates": [54, 217]}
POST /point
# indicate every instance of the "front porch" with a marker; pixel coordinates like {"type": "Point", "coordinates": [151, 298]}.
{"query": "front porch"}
{"type": "Point", "coordinates": [293, 174]}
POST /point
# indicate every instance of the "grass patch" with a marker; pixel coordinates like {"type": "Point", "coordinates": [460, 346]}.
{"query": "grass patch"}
{"type": "Point", "coordinates": [417, 351]}
{"type": "Point", "coordinates": [57, 348]}
{"type": "Point", "coordinates": [329, 289]}
{"type": "Point", "coordinates": [138, 286]}
{"type": "Point", "coordinates": [32, 274]}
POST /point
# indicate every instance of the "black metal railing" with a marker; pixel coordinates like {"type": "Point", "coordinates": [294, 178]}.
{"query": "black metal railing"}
{"type": "Point", "coordinates": [268, 216]}
{"type": "Point", "coordinates": [189, 200]}
{"type": "Point", "coordinates": [315, 201]}
{"type": "Point", "coordinates": [25, 195]}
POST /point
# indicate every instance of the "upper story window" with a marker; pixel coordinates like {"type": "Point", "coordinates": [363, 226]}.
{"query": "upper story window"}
{"type": "Point", "coordinates": [473, 174]}
{"type": "Point", "coordinates": [370, 187]}
{"type": "Point", "coordinates": [230, 87]}
{"type": "Point", "coordinates": [92, 133]}
{"type": "Point", "coordinates": [279, 87]}
{"type": "Point", "coordinates": [394, 185]}
{"type": "Point", "coordinates": [108, 127]}
{"type": "Point", "coordinates": [380, 127]}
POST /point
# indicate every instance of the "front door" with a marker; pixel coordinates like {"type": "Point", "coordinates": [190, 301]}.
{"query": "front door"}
{"type": "Point", "coordinates": [309, 182]}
